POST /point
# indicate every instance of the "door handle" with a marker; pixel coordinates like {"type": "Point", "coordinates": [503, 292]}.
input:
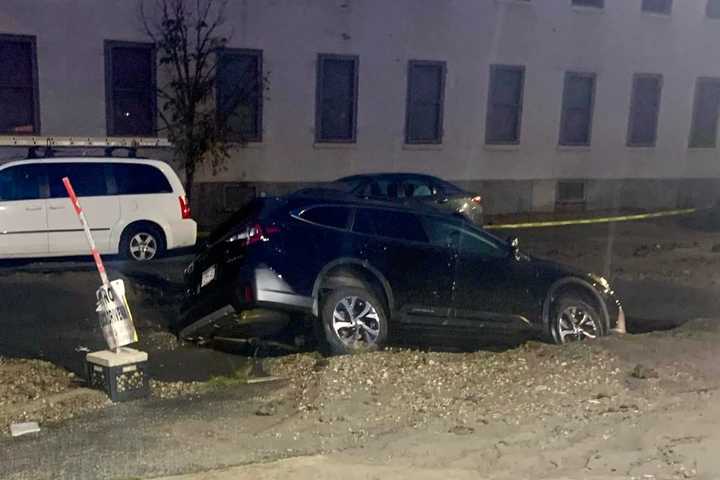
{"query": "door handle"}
{"type": "Point", "coordinates": [57, 208]}
{"type": "Point", "coordinates": [32, 209]}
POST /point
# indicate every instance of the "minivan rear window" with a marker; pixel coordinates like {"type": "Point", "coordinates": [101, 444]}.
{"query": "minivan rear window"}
{"type": "Point", "coordinates": [389, 223]}
{"type": "Point", "coordinates": [137, 179]}
{"type": "Point", "coordinates": [21, 182]}
{"type": "Point", "coordinates": [337, 217]}
{"type": "Point", "coordinates": [88, 179]}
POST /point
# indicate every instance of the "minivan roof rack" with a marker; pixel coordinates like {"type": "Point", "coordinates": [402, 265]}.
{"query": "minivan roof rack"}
{"type": "Point", "coordinates": [47, 147]}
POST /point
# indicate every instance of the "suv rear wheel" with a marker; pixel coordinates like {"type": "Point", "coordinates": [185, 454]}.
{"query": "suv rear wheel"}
{"type": "Point", "coordinates": [142, 243]}
{"type": "Point", "coordinates": [353, 320]}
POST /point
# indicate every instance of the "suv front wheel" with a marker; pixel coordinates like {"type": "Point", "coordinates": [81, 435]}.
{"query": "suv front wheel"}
{"type": "Point", "coordinates": [353, 320]}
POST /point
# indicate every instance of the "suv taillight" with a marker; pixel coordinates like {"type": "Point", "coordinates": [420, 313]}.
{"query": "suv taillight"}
{"type": "Point", "coordinates": [184, 208]}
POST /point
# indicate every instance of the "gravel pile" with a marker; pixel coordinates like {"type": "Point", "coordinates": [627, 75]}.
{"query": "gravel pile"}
{"type": "Point", "coordinates": [405, 387]}
{"type": "Point", "coordinates": [34, 390]}
{"type": "Point", "coordinates": [166, 390]}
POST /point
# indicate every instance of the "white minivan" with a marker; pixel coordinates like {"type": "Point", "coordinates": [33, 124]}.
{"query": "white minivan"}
{"type": "Point", "coordinates": [136, 208]}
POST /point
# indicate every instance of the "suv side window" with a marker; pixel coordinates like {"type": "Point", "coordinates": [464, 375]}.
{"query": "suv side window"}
{"type": "Point", "coordinates": [389, 223]}
{"type": "Point", "coordinates": [22, 182]}
{"type": "Point", "coordinates": [336, 217]}
{"type": "Point", "coordinates": [139, 179]}
{"type": "Point", "coordinates": [467, 242]}
{"type": "Point", "coordinates": [88, 179]}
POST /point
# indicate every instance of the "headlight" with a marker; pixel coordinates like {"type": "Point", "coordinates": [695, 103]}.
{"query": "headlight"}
{"type": "Point", "coordinates": [601, 281]}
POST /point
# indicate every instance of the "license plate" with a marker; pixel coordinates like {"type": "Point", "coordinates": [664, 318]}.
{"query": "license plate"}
{"type": "Point", "coordinates": [207, 276]}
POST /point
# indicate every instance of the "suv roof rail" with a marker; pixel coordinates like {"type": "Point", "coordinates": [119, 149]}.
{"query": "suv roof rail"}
{"type": "Point", "coordinates": [49, 145]}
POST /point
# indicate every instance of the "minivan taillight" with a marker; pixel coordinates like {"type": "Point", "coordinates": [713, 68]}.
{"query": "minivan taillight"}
{"type": "Point", "coordinates": [184, 208]}
{"type": "Point", "coordinates": [258, 233]}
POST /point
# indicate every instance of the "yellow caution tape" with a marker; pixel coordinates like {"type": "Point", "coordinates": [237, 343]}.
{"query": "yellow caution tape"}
{"type": "Point", "coordinates": [588, 221]}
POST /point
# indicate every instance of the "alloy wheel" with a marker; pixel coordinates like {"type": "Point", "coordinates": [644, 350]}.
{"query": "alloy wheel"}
{"type": "Point", "coordinates": [143, 247]}
{"type": "Point", "coordinates": [576, 324]}
{"type": "Point", "coordinates": [356, 322]}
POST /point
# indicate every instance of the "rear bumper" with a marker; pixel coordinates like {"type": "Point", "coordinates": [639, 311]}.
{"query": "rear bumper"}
{"type": "Point", "coordinates": [240, 298]}
{"type": "Point", "coordinates": [182, 233]}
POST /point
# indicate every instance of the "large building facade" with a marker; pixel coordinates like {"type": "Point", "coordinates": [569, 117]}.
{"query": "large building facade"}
{"type": "Point", "coordinates": [535, 104]}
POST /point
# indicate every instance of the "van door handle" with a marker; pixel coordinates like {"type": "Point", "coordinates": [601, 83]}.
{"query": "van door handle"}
{"type": "Point", "coordinates": [57, 208]}
{"type": "Point", "coordinates": [33, 209]}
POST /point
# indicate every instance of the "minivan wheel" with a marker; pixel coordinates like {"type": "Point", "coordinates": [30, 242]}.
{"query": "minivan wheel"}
{"type": "Point", "coordinates": [142, 243]}
{"type": "Point", "coordinates": [353, 320]}
{"type": "Point", "coordinates": [575, 320]}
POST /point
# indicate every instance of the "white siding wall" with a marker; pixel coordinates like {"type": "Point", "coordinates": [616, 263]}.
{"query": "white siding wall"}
{"type": "Point", "coordinates": [547, 36]}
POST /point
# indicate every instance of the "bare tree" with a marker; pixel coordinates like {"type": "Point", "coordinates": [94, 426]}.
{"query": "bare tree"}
{"type": "Point", "coordinates": [190, 36]}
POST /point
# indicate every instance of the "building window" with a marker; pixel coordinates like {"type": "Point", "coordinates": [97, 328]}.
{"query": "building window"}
{"type": "Point", "coordinates": [589, 3]}
{"type": "Point", "coordinates": [712, 10]}
{"type": "Point", "coordinates": [130, 92]}
{"type": "Point", "coordinates": [337, 93]}
{"type": "Point", "coordinates": [240, 92]}
{"type": "Point", "coordinates": [571, 191]}
{"type": "Point", "coordinates": [505, 100]}
{"type": "Point", "coordinates": [19, 108]}
{"type": "Point", "coordinates": [425, 97]}
{"type": "Point", "coordinates": [703, 133]}
{"type": "Point", "coordinates": [577, 109]}
{"type": "Point", "coordinates": [663, 7]}
{"type": "Point", "coordinates": [644, 110]}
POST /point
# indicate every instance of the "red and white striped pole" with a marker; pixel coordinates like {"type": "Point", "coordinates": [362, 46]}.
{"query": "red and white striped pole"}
{"type": "Point", "coordinates": [88, 235]}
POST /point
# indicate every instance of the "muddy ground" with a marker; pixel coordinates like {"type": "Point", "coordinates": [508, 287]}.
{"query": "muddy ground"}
{"type": "Point", "coordinates": [639, 406]}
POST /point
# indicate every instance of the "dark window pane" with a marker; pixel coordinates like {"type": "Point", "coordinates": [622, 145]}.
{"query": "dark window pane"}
{"type": "Point", "coordinates": [337, 217]}
{"type": "Point", "coordinates": [504, 105]}
{"type": "Point", "coordinates": [16, 61]}
{"type": "Point", "coordinates": [131, 91]}
{"type": "Point", "coordinates": [135, 179]}
{"type": "Point", "coordinates": [713, 9]}
{"type": "Point", "coordinates": [425, 98]}
{"type": "Point", "coordinates": [133, 114]}
{"type": "Point", "coordinates": [416, 189]}
{"type": "Point", "coordinates": [589, 3]}
{"type": "Point", "coordinates": [17, 110]}
{"type": "Point", "coordinates": [644, 110]}
{"type": "Point", "coordinates": [131, 68]}
{"type": "Point", "coordinates": [388, 223]}
{"type": "Point", "coordinates": [705, 115]}
{"type": "Point", "coordinates": [88, 179]}
{"type": "Point", "coordinates": [657, 6]}
{"type": "Point", "coordinates": [240, 93]}
{"type": "Point", "coordinates": [337, 98]}
{"type": "Point", "coordinates": [21, 182]}
{"type": "Point", "coordinates": [571, 191]}
{"type": "Point", "coordinates": [17, 86]}
{"type": "Point", "coordinates": [577, 109]}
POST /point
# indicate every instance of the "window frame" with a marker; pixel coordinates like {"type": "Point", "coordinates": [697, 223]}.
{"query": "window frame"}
{"type": "Point", "coordinates": [109, 45]}
{"type": "Point", "coordinates": [636, 77]}
{"type": "Point", "coordinates": [319, 83]}
{"type": "Point", "coordinates": [35, 86]}
{"type": "Point", "coordinates": [563, 115]}
{"type": "Point", "coordinates": [494, 68]}
{"type": "Point", "coordinates": [696, 97]}
{"type": "Point", "coordinates": [667, 12]}
{"type": "Point", "coordinates": [258, 54]}
{"type": "Point", "coordinates": [440, 101]}
{"type": "Point", "coordinates": [350, 221]}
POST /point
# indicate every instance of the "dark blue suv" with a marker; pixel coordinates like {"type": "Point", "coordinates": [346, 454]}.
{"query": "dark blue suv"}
{"type": "Point", "coordinates": [366, 273]}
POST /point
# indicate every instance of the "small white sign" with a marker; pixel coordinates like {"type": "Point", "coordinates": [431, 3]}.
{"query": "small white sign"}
{"type": "Point", "coordinates": [208, 276]}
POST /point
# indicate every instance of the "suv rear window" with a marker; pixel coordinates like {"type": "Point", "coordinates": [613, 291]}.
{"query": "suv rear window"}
{"type": "Point", "coordinates": [389, 223]}
{"type": "Point", "coordinates": [137, 179]}
{"type": "Point", "coordinates": [337, 217]}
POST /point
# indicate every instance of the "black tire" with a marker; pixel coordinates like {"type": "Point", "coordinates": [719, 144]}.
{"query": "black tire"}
{"type": "Point", "coordinates": [561, 314]}
{"type": "Point", "coordinates": [331, 339]}
{"type": "Point", "coordinates": [154, 236]}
